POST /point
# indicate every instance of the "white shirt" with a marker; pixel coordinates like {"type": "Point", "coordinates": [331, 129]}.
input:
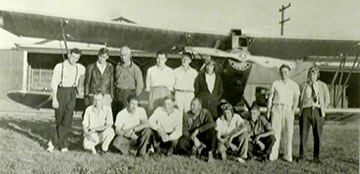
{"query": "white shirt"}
{"type": "Point", "coordinates": [284, 93]}
{"type": "Point", "coordinates": [184, 79]}
{"type": "Point", "coordinates": [224, 127]}
{"type": "Point", "coordinates": [160, 77]}
{"type": "Point", "coordinates": [210, 81]}
{"type": "Point", "coordinates": [169, 123]}
{"type": "Point", "coordinates": [126, 120]}
{"type": "Point", "coordinates": [69, 72]}
{"type": "Point", "coordinates": [97, 117]}
{"type": "Point", "coordinates": [308, 98]}
{"type": "Point", "coordinates": [101, 67]}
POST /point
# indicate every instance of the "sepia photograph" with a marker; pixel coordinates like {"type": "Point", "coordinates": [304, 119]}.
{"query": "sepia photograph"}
{"type": "Point", "coordinates": [179, 86]}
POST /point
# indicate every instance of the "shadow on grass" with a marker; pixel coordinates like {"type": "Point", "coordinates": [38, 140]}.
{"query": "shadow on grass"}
{"type": "Point", "coordinates": [43, 131]}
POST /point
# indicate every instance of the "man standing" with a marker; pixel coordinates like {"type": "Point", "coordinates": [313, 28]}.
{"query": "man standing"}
{"type": "Point", "coordinates": [159, 81]}
{"type": "Point", "coordinates": [198, 130]}
{"type": "Point", "coordinates": [97, 124]}
{"type": "Point", "coordinates": [231, 133]}
{"type": "Point", "coordinates": [184, 83]}
{"type": "Point", "coordinates": [208, 87]}
{"type": "Point", "coordinates": [260, 133]}
{"type": "Point", "coordinates": [99, 76]}
{"type": "Point", "coordinates": [282, 103]}
{"type": "Point", "coordinates": [130, 127]}
{"type": "Point", "coordinates": [128, 80]}
{"type": "Point", "coordinates": [166, 123]}
{"type": "Point", "coordinates": [314, 99]}
{"type": "Point", "coordinates": [64, 83]}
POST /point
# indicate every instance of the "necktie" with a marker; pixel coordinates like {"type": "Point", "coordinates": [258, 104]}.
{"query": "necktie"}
{"type": "Point", "coordinates": [313, 93]}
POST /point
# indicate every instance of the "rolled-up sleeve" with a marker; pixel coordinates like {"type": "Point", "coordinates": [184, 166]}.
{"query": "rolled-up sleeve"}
{"type": "Point", "coordinates": [56, 77]}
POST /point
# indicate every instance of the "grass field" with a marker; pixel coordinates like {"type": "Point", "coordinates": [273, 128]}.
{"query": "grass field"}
{"type": "Point", "coordinates": [23, 138]}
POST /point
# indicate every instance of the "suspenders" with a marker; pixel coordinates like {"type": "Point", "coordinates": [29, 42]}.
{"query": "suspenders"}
{"type": "Point", "coordinates": [62, 75]}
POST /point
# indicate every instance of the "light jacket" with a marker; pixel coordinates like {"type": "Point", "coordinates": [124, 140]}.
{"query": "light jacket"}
{"type": "Point", "coordinates": [324, 96]}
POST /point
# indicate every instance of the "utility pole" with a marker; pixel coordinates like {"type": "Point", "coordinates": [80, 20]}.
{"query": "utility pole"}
{"type": "Point", "coordinates": [282, 10]}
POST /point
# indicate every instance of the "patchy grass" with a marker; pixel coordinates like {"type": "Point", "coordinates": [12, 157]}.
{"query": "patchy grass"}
{"type": "Point", "coordinates": [23, 138]}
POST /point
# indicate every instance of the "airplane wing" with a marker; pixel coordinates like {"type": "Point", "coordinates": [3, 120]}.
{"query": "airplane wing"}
{"type": "Point", "coordinates": [155, 39]}
{"type": "Point", "coordinates": [293, 48]}
{"type": "Point", "coordinates": [111, 33]}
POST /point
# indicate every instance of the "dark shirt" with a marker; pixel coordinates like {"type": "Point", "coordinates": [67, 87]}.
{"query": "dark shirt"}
{"type": "Point", "coordinates": [202, 122]}
{"type": "Point", "coordinates": [260, 126]}
{"type": "Point", "coordinates": [95, 81]}
{"type": "Point", "coordinates": [129, 77]}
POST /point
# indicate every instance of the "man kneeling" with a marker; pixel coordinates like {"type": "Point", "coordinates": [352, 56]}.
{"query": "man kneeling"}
{"type": "Point", "coordinates": [97, 125]}
{"type": "Point", "coordinates": [261, 134]}
{"type": "Point", "coordinates": [231, 133]}
{"type": "Point", "coordinates": [166, 125]}
{"type": "Point", "coordinates": [130, 127]}
{"type": "Point", "coordinates": [198, 131]}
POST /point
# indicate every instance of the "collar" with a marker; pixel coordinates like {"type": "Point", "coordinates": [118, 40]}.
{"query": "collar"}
{"type": "Point", "coordinates": [68, 63]}
{"type": "Point", "coordinates": [97, 110]}
{"type": "Point", "coordinates": [193, 117]}
{"type": "Point", "coordinates": [254, 122]}
{"type": "Point", "coordinates": [210, 75]}
{"type": "Point", "coordinates": [122, 64]}
{"type": "Point", "coordinates": [224, 119]}
{"type": "Point", "coordinates": [127, 110]}
{"type": "Point", "coordinates": [161, 68]}
{"type": "Point", "coordinates": [168, 114]}
{"type": "Point", "coordinates": [285, 81]}
{"type": "Point", "coordinates": [184, 69]}
{"type": "Point", "coordinates": [310, 82]}
{"type": "Point", "coordinates": [97, 63]}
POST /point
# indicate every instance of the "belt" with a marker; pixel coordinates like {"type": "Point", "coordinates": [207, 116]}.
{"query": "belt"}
{"type": "Point", "coordinates": [184, 90]}
{"type": "Point", "coordinates": [153, 87]}
{"type": "Point", "coordinates": [125, 89]}
{"type": "Point", "coordinates": [281, 104]}
{"type": "Point", "coordinates": [67, 87]}
{"type": "Point", "coordinates": [312, 107]}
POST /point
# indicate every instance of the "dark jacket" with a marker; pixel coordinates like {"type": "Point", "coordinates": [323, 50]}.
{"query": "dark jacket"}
{"type": "Point", "coordinates": [203, 122]}
{"type": "Point", "coordinates": [94, 80]}
{"type": "Point", "coordinates": [202, 91]}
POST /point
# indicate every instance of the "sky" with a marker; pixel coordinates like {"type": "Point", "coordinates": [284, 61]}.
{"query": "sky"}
{"type": "Point", "coordinates": [333, 19]}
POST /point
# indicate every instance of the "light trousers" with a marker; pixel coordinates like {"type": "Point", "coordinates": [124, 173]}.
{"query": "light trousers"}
{"type": "Point", "coordinates": [156, 97]}
{"type": "Point", "coordinates": [105, 137]}
{"type": "Point", "coordinates": [183, 100]}
{"type": "Point", "coordinates": [282, 118]}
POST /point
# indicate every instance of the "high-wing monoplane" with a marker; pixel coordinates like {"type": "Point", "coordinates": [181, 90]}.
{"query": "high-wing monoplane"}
{"type": "Point", "coordinates": [235, 52]}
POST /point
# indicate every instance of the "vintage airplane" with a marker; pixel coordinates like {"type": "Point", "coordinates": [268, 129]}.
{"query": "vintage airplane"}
{"type": "Point", "coordinates": [235, 53]}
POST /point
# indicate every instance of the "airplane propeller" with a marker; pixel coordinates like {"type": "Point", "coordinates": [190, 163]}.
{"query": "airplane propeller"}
{"type": "Point", "coordinates": [241, 56]}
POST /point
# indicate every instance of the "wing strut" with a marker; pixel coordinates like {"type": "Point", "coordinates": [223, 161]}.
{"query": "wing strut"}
{"type": "Point", "coordinates": [345, 85]}
{"type": "Point", "coordinates": [63, 56]}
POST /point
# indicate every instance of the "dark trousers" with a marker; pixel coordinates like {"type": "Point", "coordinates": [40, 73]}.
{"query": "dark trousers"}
{"type": "Point", "coordinates": [160, 146]}
{"type": "Point", "coordinates": [310, 117]}
{"type": "Point", "coordinates": [124, 144]}
{"type": "Point", "coordinates": [210, 103]}
{"type": "Point", "coordinates": [120, 100]}
{"type": "Point", "coordinates": [255, 150]}
{"type": "Point", "coordinates": [64, 115]}
{"type": "Point", "coordinates": [208, 138]}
